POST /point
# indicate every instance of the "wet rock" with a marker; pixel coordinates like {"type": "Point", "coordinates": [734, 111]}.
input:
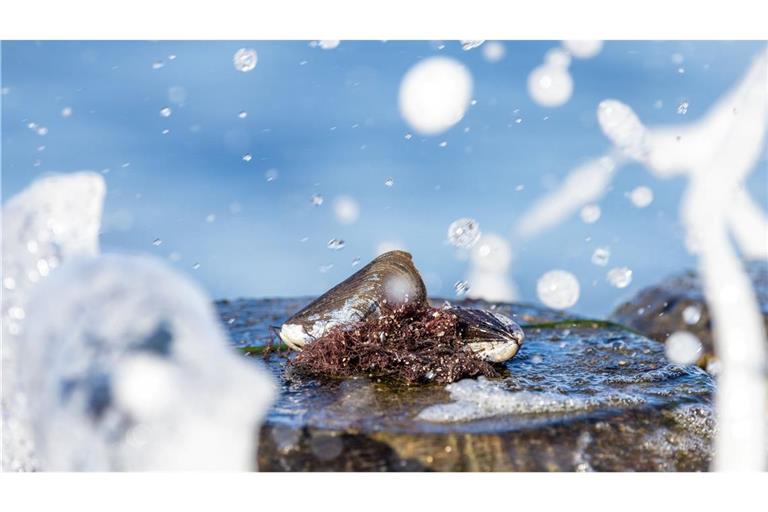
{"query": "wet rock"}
{"type": "Point", "coordinates": [677, 304]}
{"type": "Point", "coordinates": [579, 396]}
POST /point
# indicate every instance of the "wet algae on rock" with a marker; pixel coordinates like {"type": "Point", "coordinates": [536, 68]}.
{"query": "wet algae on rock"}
{"type": "Point", "coordinates": [578, 396]}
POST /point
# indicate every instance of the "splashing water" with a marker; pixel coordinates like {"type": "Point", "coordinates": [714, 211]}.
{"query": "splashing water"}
{"type": "Point", "coordinates": [716, 154]}
{"type": "Point", "coordinates": [558, 289]}
{"type": "Point", "coordinates": [434, 94]}
{"type": "Point", "coordinates": [131, 371]}
{"type": "Point", "coordinates": [464, 232]}
{"type": "Point", "coordinates": [53, 221]}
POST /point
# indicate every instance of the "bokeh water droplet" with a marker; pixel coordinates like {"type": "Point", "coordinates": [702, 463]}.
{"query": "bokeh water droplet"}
{"type": "Point", "coordinates": [619, 277]}
{"type": "Point", "coordinates": [601, 256]}
{"type": "Point", "coordinates": [464, 232]}
{"type": "Point", "coordinates": [692, 314]}
{"type": "Point", "coordinates": [558, 289]}
{"type": "Point", "coordinates": [245, 59]}
{"type": "Point", "coordinates": [590, 213]}
{"type": "Point", "coordinates": [493, 51]}
{"type": "Point", "coordinates": [346, 209]}
{"type": "Point", "coordinates": [550, 85]}
{"type": "Point", "coordinates": [66, 112]}
{"type": "Point", "coordinates": [641, 196]}
{"type": "Point", "coordinates": [683, 348]}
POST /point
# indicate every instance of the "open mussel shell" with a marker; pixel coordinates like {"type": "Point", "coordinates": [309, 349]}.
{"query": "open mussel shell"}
{"type": "Point", "coordinates": [389, 279]}
{"type": "Point", "coordinates": [490, 336]}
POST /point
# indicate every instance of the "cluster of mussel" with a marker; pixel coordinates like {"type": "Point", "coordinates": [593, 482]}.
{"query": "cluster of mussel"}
{"type": "Point", "coordinates": [378, 322]}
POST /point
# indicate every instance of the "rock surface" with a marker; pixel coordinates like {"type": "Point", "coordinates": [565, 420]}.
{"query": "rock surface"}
{"type": "Point", "coordinates": [579, 396]}
{"type": "Point", "coordinates": [660, 310]}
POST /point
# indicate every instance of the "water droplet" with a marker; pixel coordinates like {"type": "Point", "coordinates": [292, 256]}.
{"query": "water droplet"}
{"type": "Point", "coordinates": [157, 64]}
{"type": "Point", "coordinates": [243, 114]}
{"type": "Point", "coordinates": [469, 44]}
{"type": "Point", "coordinates": [590, 213]}
{"type": "Point", "coordinates": [443, 144]}
{"type": "Point", "coordinates": [172, 57]}
{"type": "Point", "coordinates": [210, 218]}
{"type": "Point", "coordinates": [317, 199]}
{"type": "Point", "coordinates": [66, 112]}
{"type": "Point", "coordinates": [166, 131]}
{"type": "Point", "coordinates": [247, 157]}
{"type": "Point", "coordinates": [346, 209]}
{"type": "Point", "coordinates": [245, 59]}
{"type": "Point", "coordinates": [325, 268]}
{"type": "Point", "coordinates": [42, 130]}
{"type": "Point", "coordinates": [601, 256]}
{"type": "Point", "coordinates": [174, 256]}
{"type": "Point", "coordinates": [558, 289]}
{"type": "Point", "coordinates": [165, 111]}
{"type": "Point", "coordinates": [550, 85]}
{"type": "Point", "coordinates": [519, 188]}
{"type": "Point", "coordinates": [336, 244]}
{"type": "Point", "coordinates": [619, 277]}
{"type": "Point", "coordinates": [408, 136]}
{"type": "Point", "coordinates": [157, 242]}
{"type": "Point", "coordinates": [464, 232]}
{"type": "Point", "coordinates": [329, 44]}
{"type": "Point", "coordinates": [195, 266]}
{"type": "Point", "coordinates": [271, 175]}
{"type": "Point", "coordinates": [461, 287]}
{"type": "Point", "coordinates": [16, 313]}
{"type": "Point", "coordinates": [389, 182]}
{"type": "Point", "coordinates": [692, 314]}
{"type": "Point", "coordinates": [494, 51]}
{"type": "Point", "coordinates": [518, 120]}
{"type": "Point", "coordinates": [682, 108]}
{"type": "Point", "coordinates": [683, 348]}
{"type": "Point", "coordinates": [9, 283]}
{"type": "Point", "coordinates": [641, 196]}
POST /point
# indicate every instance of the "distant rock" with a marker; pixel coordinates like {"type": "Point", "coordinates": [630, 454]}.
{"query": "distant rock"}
{"type": "Point", "coordinates": [677, 304]}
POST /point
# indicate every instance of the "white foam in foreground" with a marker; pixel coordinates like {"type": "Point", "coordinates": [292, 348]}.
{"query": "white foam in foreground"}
{"type": "Point", "coordinates": [481, 398]}
{"type": "Point", "coordinates": [127, 368]}
{"type": "Point", "coordinates": [52, 221]}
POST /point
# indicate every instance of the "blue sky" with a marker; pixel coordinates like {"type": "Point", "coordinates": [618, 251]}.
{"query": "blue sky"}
{"type": "Point", "coordinates": [328, 121]}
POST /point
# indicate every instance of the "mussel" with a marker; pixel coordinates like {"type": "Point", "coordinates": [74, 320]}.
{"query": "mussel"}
{"type": "Point", "coordinates": [387, 282]}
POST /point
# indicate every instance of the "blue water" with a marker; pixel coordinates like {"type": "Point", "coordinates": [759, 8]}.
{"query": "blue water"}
{"type": "Point", "coordinates": [295, 97]}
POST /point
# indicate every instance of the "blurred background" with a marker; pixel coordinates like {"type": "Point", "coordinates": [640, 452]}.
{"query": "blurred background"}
{"type": "Point", "coordinates": [241, 179]}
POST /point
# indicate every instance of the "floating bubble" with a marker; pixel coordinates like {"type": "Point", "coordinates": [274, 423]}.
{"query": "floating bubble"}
{"type": "Point", "coordinates": [435, 94]}
{"type": "Point", "coordinates": [619, 277]}
{"type": "Point", "coordinates": [317, 199]}
{"type": "Point", "coordinates": [601, 256]}
{"type": "Point", "coordinates": [641, 196]}
{"type": "Point", "coordinates": [461, 288]}
{"type": "Point", "coordinates": [682, 108]}
{"type": "Point", "coordinates": [583, 49]}
{"type": "Point", "coordinates": [590, 213]}
{"type": "Point", "coordinates": [470, 44]}
{"type": "Point", "coordinates": [335, 244]}
{"type": "Point", "coordinates": [464, 232]}
{"type": "Point", "coordinates": [558, 289]}
{"type": "Point", "coordinates": [165, 111]}
{"type": "Point", "coordinates": [692, 314]}
{"type": "Point", "coordinates": [683, 348]}
{"type": "Point", "coordinates": [550, 86]}
{"type": "Point", "coordinates": [346, 209]}
{"type": "Point", "coordinates": [245, 59]}
{"type": "Point", "coordinates": [494, 51]}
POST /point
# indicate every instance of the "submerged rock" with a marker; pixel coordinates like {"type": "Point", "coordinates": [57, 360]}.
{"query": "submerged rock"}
{"type": "Point", "coordinates": [579, 396]}
{"type": "Point", "coordinates": [677, 304]}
